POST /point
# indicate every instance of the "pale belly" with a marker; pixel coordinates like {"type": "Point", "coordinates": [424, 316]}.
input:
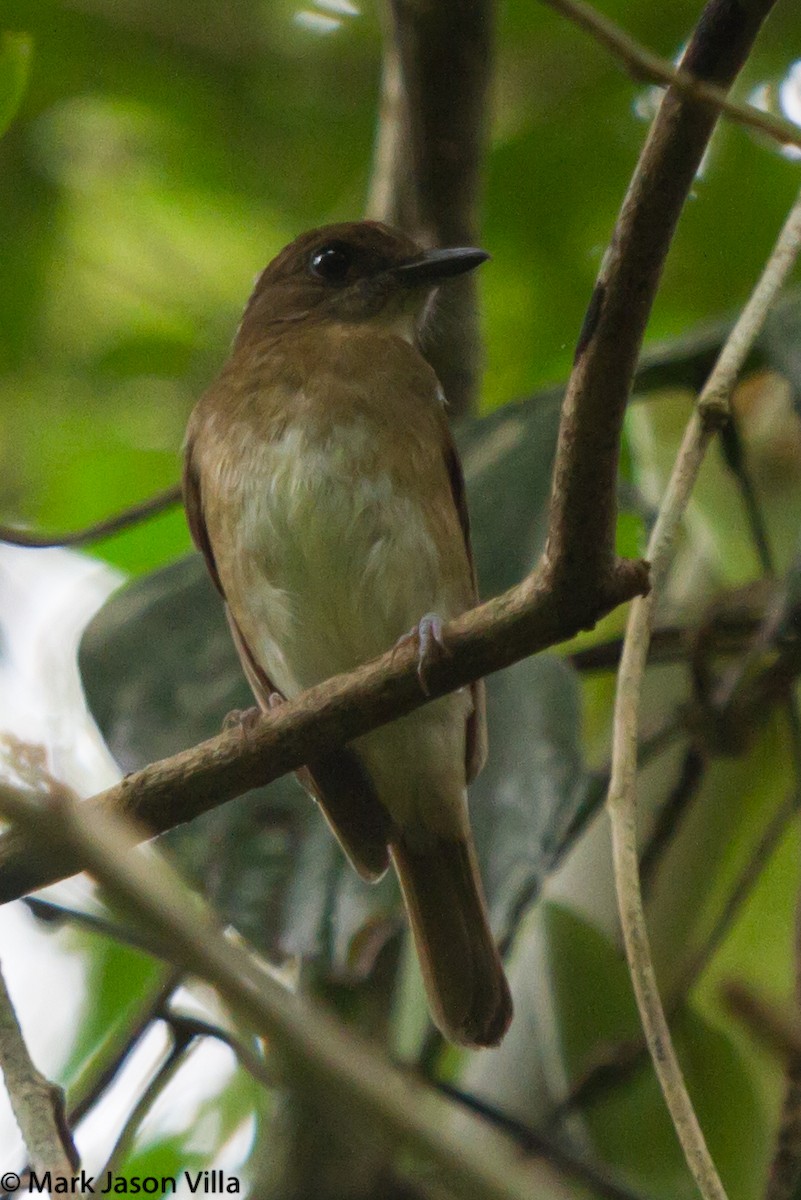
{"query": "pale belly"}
{"type": "Point", "coordinates": [335, 563]}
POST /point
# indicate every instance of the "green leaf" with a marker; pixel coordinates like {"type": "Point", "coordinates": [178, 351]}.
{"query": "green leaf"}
{"type": "Point", "coordinates": [16, 52]}
{"type": "Point", "coordinates": [119, 980]}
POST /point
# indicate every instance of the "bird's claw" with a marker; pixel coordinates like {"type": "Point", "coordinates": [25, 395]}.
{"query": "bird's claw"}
{"type": "Point", "coordinates": [243, 719]}
{"type": "Point", "coordinates": [430, 645]}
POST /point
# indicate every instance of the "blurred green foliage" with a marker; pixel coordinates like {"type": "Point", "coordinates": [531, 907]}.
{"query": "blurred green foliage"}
{"type": "Point", "coordinates": [163, 152]}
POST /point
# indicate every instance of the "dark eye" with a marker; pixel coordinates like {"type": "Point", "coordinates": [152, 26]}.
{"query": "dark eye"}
{"type": "Point", "coordinates": [331, 263]}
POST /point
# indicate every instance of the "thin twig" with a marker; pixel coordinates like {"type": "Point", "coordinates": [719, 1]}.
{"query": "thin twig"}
{"type": "Point", "coordinates": [671, 813]}
{"type": "Point", "coordinates": [764, 637]}
{"type": "Point", "coordinates": [646, 67]}
{"type": "Point", "coordinates": [135, 939]}
{"type": "Point", "coordinates": [744, 885]}
{"type": "Point", "coordinates": [734, 453]}
{"type": "Point", "coordinates": [178, 1052]}
{"type": "Point", "coordinates": [613, 1064]}
{"type": "Point", "coordinates": [156, 1008]}
{"type": "Point", "coordinates": [775, 1028]}
{"type": "Point", "coordinates": [732, 623]}
{"type": "Point", "coordinates": [621, 802]}
{"type": "Point", "coordinates": [602, 1184]}
{"type": "Point", "coordinates": [113, 1055]}
{"type": "Point", "coordinates": [137, 513]}
{"type": "Point", "coordinates": [251, 1062]}
{"type": "Point", "coordinates": [38, 1104]}
{"type": "Point", "coordinates": [318, 1052]}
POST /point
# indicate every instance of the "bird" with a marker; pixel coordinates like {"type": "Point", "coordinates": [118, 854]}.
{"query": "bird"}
{"type": "Point", "coordinates": [322, 485]}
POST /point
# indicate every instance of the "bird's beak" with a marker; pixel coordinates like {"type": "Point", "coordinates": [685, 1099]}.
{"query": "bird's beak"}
{"type": "Point", "coordinates": [432, 266]}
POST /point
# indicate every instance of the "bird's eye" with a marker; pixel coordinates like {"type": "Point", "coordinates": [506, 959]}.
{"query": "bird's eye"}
{"type": "Point", "coordinates": [331, 263]}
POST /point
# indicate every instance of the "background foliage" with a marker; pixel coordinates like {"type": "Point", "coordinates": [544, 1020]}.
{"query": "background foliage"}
{"type": "Point", "coordinates": [157, 156]}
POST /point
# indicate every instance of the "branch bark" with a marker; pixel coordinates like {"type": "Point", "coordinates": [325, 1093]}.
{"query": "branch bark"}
{"type": "Point", "coordinates": [529, 617]}
{"type": "Point", "coordinates": [38, 1105]}
{"type": "Point", "coordinates": [429, 157]}
{"type": "Point", "coordinates": [614, 325]}
{"type": "Point", "coordinates": [314, 1048]}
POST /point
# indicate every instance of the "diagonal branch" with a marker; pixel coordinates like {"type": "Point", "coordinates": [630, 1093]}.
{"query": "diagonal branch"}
{"type": "Point", "coordinates": [317, 1052]}
{"type": "Point", "coordinates": [37, 1104]}
{"type": "Point", "coordinates": [645, 66]}
{"type": "Point", "coordinates": [530, 617]}
{"type": "Point", "coordinates": [583, 507]}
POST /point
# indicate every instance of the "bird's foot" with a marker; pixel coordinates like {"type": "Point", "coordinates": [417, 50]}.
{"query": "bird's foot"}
{"type": "Point", "coordinates": [430, 645]}
{"type": "Point", "coordinates": [243, 719]}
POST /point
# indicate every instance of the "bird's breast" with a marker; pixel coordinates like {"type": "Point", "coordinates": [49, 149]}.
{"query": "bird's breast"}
{"type": "Point", "coordinates": [336, 546]}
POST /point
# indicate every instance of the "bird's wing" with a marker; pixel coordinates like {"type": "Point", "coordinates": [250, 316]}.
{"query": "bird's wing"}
{"type": "Point", "coordinates": [336, 780]}
{"type": "Point", "coordinates": [476, 742]}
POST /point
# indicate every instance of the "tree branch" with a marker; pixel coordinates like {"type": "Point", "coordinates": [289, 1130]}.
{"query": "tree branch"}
{"type": "Point", "coordinates": [529, 617]}
{"type": "Point", "coordinates": [606, 355]}
{"type": "Point", "coordinates": [38, 1105]}
{"type": "Point", "coordinates": [100, 529]}
{"type": "Point", "coordinates": [429, 157]}
{"type": "Point", "coordinates": [621, 802]}
{"type": "Point", "coordinates": [647, 67]}
{"type": "Point", "coordinates": [317, 1052]}
{"type": "Point", "coordinates": [778, 1029]}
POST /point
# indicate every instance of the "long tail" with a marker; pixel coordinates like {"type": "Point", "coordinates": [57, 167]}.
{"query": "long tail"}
{"type": "Point", "coordinates": [464, 978]}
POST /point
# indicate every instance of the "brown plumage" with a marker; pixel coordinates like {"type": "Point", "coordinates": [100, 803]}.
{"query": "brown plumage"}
{"type": "Point", "coordinates": [323, 487]}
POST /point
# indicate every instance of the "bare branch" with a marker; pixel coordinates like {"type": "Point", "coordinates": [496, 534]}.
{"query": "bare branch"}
{"type": "Point", "coordinates": [621, 802]}
{"type": "Point", "coordinates": [597, 1178]}
{"type": "Point", "coordinates": [179, 1050]}
{"type": "Point", "coordinates": [317, 1051]}
{"type": "Point", "coordinates": [647, 67]}
{"type": "Point", "coordinates": [528, 618]}
{"type": "Point", "coordinates": [103, 1071]}
{"type": "Point", "coordinates": [583, 506]}
{"type": "Point", "coordinates": [137, 513]}
{"type": "Point", "coordinates": [429, 157]}
{"type": "Point", "coordinates": [37, 1103]}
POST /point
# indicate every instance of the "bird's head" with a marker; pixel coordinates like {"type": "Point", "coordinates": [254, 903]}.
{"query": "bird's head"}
{"type": "Point", "coordinates": [353, 272]}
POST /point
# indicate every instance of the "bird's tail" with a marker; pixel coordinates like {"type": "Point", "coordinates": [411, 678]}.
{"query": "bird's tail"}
{"type": "Point", "coordinates": [467, 989]}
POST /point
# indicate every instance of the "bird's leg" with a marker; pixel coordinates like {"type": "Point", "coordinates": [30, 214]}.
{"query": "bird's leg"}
{"type": "Point", "coordinates": [430, 645]}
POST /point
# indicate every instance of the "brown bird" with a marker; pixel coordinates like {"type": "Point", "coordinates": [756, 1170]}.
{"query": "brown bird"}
{"type": "Point", "coordinates": [322, 485]}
